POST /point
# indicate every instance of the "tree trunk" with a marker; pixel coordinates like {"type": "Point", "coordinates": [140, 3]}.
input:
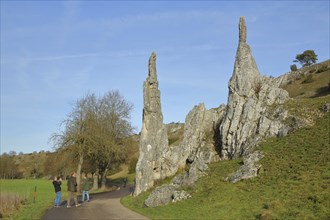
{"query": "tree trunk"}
{"type": "Point", "coordinates": [81, 160]}
{"type": "Point", "coordinates": [96, 180]}
{"type": "Point", "coordinates": [104, 179]}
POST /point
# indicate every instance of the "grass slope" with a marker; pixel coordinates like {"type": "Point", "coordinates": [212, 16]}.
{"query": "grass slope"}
{"type": "Point", "coordinates": [310, 86]}
{"type": "Point", "coordinates": [293, 184]}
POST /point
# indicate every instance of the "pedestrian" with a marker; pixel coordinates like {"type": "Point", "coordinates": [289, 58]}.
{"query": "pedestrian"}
{"type": "Point", "coordinates": [85, 187]}
{"type": "Point", "coordinates": [72, 190]}
{"type": "Point", "coordinates": [133, 188]}
{"type": "Point", "coordinates": [57, 186]}
{"type": "Point", "coordinates": [125, 182]}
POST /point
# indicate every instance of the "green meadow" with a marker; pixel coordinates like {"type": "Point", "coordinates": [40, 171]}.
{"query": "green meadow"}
{"type": "Point", "coordinates": [32, 207]}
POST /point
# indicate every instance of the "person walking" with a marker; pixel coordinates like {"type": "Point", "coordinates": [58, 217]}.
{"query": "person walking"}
{"type": "Point", "coordinates": [125, 182]}
{"type": "Point", "coordinates": [57, 186]}
{"type": "Point", "coordinates": [72, 190]}
{"type": "Point", "coordinates": [85, 188]}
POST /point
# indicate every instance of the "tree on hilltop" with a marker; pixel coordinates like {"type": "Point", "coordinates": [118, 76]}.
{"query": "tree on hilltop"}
{"type": "Point", "coordinates": [307, 58]}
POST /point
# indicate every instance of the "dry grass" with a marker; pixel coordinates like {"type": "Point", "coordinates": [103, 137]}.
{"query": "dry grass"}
{"type": "Point", "coordinates": [10, 202]}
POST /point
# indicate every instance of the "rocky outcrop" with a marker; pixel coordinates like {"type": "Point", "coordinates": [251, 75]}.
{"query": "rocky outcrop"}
{"type": "Point", "coordinates": [157, 159]}
{"type": "Point", "coordinates": [198, 133]}
{"type": "Point", "coordinates": [198, 147]}
{"type": "Point", "coordinates": [253, 112]}
{"type": "Point", "coordinates": [249, 169]}
{"type": "Point", "coordinates": [154, 153]}
{"type": "Point", "coordinates": [247, 119]}
{"type": "Point", "coordinates": [164, 195]}
{"type": "Point", "coordinates": [195, 152]}
{"type": "Point", "coordinates": [325, 108]}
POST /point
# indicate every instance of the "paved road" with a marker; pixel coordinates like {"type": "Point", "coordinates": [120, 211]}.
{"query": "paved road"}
{"type": "Point", "coordinates": [101, 206]}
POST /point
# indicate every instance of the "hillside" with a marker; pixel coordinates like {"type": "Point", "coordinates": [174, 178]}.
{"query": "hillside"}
{"type": "Point", "coordinates": [311, 82]}
{"type": "Point", "coordinates": [294, 182]}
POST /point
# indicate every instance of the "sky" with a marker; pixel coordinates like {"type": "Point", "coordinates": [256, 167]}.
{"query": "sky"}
{"type": "Point", "coordinates": [53, 53]}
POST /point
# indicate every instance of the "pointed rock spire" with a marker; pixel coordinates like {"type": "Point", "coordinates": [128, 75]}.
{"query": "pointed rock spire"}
{"type": "Point", "coordinates": [152, 76]}
{"type": "Point", "coordinates": [154, 146]}
{"type": "Point", "coordinates": [249, 95]}
{"type": "Point", "coordinates": [246, 74]}
{"type": "Point", "coordinates": [242, 30]}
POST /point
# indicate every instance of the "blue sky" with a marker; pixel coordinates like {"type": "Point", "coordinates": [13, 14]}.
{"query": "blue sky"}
{"type": "Point", "coordinates": [55, 52]}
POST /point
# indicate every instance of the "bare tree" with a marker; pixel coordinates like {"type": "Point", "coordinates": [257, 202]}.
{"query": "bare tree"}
{"type": "Point", "coordinates": [113, 129]}
{"type": "Point", "coordinates": [96, 130]}
{"type": "Point", "coordinates": [78, 134]}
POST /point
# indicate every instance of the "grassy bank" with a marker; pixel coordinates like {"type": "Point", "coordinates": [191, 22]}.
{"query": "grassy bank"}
{"type": "Point", "coordinates": [293, 184]}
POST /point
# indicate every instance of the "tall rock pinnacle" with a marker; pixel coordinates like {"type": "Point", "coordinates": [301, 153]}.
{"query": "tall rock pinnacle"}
{"type": "Point", "coordinates": [154, 149]}
{"type": "Point", "coordinates": [152, 75]}
{"type": "Point", "coordinates": [246, 74]}
{"type": "Point", "coordinates": [249, 96]}
{"type": "Point", "coordinates": [242, 30]}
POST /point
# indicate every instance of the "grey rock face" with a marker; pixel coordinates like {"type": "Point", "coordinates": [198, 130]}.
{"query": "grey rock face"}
{"type": "Point", "coordinates": [250, 96]}
{"type": "Point", "coordinates": [198, 134]}
{"type": "Point", "coordinates": [162, 195]}
{"type": "Point", "coordinates": [198, 145]}
{"type": "Point", "coordinates": [180, 195]}
{"type": "Point", "coordinates": [326, 107]}
{"type": "Point", "coordinates": [249, 169]}
{"type": "Point", "coordinates": [154, 160]}
{"type": "Point", "coordinates": [195, 152]}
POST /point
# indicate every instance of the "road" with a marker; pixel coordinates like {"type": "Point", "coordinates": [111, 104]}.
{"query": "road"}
{"type": "Point", "coordinates": [101, 206]}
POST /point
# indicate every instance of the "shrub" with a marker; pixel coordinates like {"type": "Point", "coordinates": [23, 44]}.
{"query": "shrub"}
{"type": "Point", "coordinates": [293, 67]}
{"type": "Point", "coordinates": [10, 202]}
{"type": "Point", "coordinates": [257, 88]}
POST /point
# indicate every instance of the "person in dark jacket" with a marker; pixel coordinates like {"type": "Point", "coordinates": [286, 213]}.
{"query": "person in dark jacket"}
{"type": "Point", "coordinates": [57, 186]}
{"type": "Point", "coordinates": [72, 190]}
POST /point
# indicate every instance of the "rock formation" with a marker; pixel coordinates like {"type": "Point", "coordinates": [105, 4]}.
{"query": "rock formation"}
{"type": "Point", "coordinates": [249, 169]}
{"type": "Point", "coordinates": [195, 152]}
{"type": "Point", "coordinates": [165, 195]}
{"type": "Point", "coordinates": [247, 118]}
{"type": "Point", "coordinates": [198, 147]}
{"type": "Point", "coordinates": [230, 131]}
{"type": "Point", "coordinates": [154, 161]}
